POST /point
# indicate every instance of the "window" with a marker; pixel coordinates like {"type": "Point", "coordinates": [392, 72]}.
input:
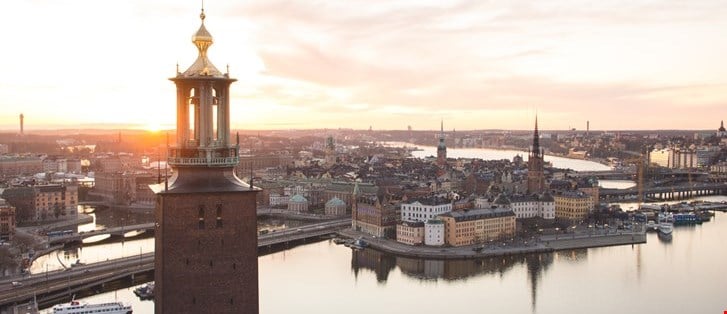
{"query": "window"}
{"type": "Point", "coordinates": [219, 215]}
{"type": "Point", "coordinates": [201, 217]}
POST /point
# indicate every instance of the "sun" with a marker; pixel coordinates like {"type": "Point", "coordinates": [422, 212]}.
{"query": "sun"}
{"type": "Point", "coordinates": [153, 127]}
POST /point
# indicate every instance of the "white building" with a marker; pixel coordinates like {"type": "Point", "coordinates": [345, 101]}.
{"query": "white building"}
{"type": "Point", "coordinates": [277, 199]}
{"type": "Point", "coordinates": [524, 206]}
{"type": "Point", "coordinates": [425, 209]}
{"type": "Point", "coordinates": [434, 232]}
{"type": "Point", "coordinates": [529, 206]}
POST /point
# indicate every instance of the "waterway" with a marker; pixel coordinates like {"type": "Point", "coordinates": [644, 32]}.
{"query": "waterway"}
{"type": "Point", "coordinates": [496, 154]}
{"type": "Point", "coordinates": [683, 275]}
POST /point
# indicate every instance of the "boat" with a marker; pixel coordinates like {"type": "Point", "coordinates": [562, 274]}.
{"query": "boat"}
{"type": "Point", "coordinates": [359, 244]}
{"type": "Point", "coordinates": [666, 222]}
{"type": "Point", "coordinates": [666, 228]}
{"type": "Point", "coordinates": [651, 226]}
{"type": "Point", "coordinates": [77, 307]}
{"type": "Point", "coordinates": [686, 219]}
{"type": "Point", "coordinates": [664, 237]}
{"type": "Point", "coordinates": [145, 291]}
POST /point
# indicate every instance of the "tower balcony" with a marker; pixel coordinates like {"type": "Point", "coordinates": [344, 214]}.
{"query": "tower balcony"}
{"type": "Point", "coordinates": [203, 157]}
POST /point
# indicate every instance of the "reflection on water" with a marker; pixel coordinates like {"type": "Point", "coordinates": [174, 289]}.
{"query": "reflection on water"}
{"type": "Point", "coordinates": [382, 264]}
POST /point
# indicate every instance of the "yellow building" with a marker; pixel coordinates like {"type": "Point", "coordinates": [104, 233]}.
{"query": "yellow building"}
{"type": "Point", "coordinates": [572, 205]}
{"type": "Point", "coordinates": [411, 233]}
{"type": "Point", "coordinates": [478, 225]}
{"type": "Point", "coordinates": [55, 201]}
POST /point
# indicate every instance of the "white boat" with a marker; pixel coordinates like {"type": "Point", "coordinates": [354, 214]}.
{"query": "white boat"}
{"type": "Point", "coordinates": [666, 222]}
{"type": "Point", "coordinates": [666, 227]}
{"type": "Point", "coordinates": [77, 307]}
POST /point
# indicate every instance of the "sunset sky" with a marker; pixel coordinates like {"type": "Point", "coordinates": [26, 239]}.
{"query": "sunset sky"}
{"type": "Point", "coordinates": [385, 64]}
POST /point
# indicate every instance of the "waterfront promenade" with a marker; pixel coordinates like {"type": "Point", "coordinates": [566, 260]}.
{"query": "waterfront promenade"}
{"type": "Point", "coordinates": [542, 244]}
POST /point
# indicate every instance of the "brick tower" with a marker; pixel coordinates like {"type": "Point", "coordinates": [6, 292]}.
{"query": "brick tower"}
{"type": "Point", "coordinates": [206, 223]}
{"type": "Point", "coordinates": [441, 148]}
{"type": "Point", "coordinates": [536, 175]}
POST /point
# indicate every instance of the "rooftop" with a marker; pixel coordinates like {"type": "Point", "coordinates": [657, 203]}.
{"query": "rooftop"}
{"type": "Point", "coordinates": [477, 214]}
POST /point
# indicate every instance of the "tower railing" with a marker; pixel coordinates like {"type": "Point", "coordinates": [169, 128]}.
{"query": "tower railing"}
{"type": "Point", "coordinates": [210, 162]}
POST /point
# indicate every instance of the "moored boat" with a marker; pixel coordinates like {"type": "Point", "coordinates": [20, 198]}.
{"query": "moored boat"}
{"type": "Point", "coordinates": [666, 227]}
{"type": "Point", "coordinates": [77, 307]}
{"type": "Point", "coordinates": [145, 291]}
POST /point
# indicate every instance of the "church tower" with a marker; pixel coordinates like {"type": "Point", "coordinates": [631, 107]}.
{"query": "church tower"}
{"type": "Point", "coordinates": [536, 176]}
{"type": "Point", "coordinates": [206, 223]}
{"type": "Point", "coordinates": [330, 151]}
{"type": "Point", "coordinates": [441, 148]}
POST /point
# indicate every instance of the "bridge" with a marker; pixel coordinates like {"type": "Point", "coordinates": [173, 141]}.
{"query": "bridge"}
{"type": "Point", "coordinates": [121, 231]}
{"type": "Point", "coordinates": [115, 231]}
{"type": "Point", "coordinates": [605, 175]}
{"type": "Point", "coordinates": [55, 285]}
{"type": "Point", "coordinates": [664, 192]}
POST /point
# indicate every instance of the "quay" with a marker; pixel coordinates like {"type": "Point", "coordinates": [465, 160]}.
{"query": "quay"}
{"type": "Point", "coordinates": [544, 244]}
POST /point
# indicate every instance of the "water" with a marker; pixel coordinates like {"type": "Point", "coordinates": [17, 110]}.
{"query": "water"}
{"type": "Point", "coordinates": [496, 154]}
{"type": "Point", "coordinates": [684, 275]}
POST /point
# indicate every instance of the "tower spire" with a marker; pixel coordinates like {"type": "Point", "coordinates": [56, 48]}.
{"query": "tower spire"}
{"type": "Point", "coordinates": [536, 137]}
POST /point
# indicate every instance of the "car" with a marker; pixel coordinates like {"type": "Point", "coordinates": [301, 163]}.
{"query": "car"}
{"type": "Point", "coordinates": [16, 283]}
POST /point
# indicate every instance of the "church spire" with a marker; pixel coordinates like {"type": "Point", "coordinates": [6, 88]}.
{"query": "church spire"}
{"type": "Point", "coordinates": [536, 138]}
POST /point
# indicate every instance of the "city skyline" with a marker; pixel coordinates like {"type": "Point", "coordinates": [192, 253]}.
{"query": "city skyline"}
{"type": "Point", "coordinates": [619, 65]}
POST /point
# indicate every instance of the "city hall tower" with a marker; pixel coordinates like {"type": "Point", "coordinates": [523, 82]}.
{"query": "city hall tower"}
{"type": "Point", "coordinates": [206, 223]}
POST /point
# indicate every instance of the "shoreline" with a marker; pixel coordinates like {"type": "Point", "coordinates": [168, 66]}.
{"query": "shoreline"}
{"type": "Point", "coordinates": [545, 244]}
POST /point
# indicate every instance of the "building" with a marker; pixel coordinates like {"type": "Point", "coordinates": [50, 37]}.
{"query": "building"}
{"type": "Point", "coordinates": [206, 224]}
{"type": "Point", "coordinates": [411, 233]}
{"type": "Point", "coordinates": [441, 148]}
{"type": "Point", "coordinates": [721, 131]}
{"type": "Point", "coordinates": [275, 199]}
{"type": "Point", "coordinates": [330, 152]}
{"type": "Point", "coordinates": [249, 164]}
{"type": "Point", "coordinates": [533, 205]}
{"type": "Point", "coordinates": [55, 164]}
{"type": "Point", "coordinates": [7, 220]}
{"type": "Point", "coordinates": [23, 199]}
{"type": "Point", "coordinates": [125, 188]}
{"type": "Point", "coordinates": [536, 174]}
{"type": "Point", "coordinates": [19, 165]}
{"type": "Point", "coordinates": [423, 209]}
{"type": "Point", "coordinates": [298, 203]}
{"type": "Point", "coordinates": [573, 206]}
{"type": "Point", "coordinates": [373, 215]}
{"type": "Point", "coordinates": [434, 232]}
{"type": "Point", "coordinates": [335, 207]}
{"type": "Point", "coordinates": [478, 225]}
{"type": "Point", "coordinates": [55, 201]}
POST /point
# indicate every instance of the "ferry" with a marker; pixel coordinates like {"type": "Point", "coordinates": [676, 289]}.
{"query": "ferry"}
{"type": "Point", "coordinates": [77, 307]}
